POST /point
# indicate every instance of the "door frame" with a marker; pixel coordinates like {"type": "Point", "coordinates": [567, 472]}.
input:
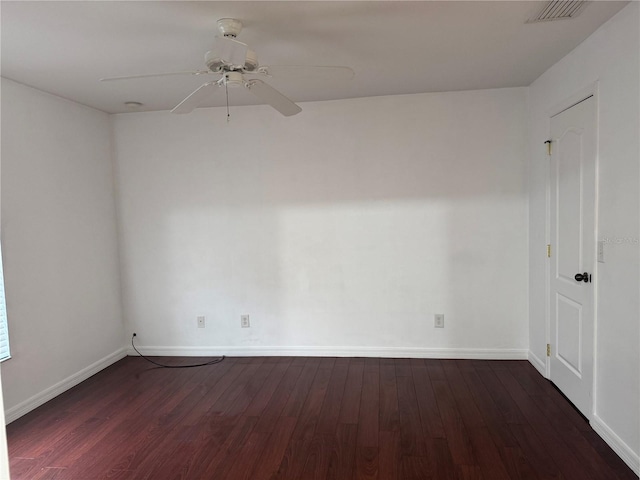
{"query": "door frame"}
{"type": "Point", "coordinates": [591, 90]}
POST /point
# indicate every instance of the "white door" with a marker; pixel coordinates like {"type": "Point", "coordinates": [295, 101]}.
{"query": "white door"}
{"type": "Point", "coordinates": [572, 228]}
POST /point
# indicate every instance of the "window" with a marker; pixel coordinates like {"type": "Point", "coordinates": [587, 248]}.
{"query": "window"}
{"type": "Point", "coordinates": [4, 330]}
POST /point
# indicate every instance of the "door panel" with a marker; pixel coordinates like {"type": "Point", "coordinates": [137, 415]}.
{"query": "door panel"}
{"type": "Point", "coordinates": [569, 333]}
{"type": "Point", "coordinates": [572, 229]}
{"type": "Point", "coordinates": [568, 206]}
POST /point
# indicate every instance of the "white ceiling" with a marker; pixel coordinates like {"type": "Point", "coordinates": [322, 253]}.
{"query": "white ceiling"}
{"type": "Point", "coordinates": [394, 47]}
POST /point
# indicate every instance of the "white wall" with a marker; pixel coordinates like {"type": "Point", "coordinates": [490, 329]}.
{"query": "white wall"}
{"type": "Point", "coordinates": [340, 231]}
{"type": "Point", "coordinates": [609, 56]}
{"type": "Point", "coordinates": [59, 245]}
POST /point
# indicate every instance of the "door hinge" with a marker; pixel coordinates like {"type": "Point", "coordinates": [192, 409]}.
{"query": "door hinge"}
{"type": "Point", "coordinates": [548, 144]}
{"type": "Point", "coordinates": [549, 250]}
{"type": "Point", "coordinates": [548, 349]}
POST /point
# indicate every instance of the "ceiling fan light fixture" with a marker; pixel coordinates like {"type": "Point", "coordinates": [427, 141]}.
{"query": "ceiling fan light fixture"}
{"type": "Point", "coordinates": [213, 61]}
{"type": "Point", "coordinates": [251, 61]}
{"type": "Point", "coordinates": [226, 52]}
{"type": "Point", "coordinates": [133, 105]}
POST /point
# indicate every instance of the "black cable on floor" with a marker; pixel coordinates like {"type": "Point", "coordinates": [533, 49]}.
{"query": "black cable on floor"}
{"type": "Point", "coordinates": [212, 362]}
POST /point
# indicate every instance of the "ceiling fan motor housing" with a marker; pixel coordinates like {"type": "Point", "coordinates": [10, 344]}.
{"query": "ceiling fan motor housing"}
{"type": "Point", "coordinates": [230, 27]}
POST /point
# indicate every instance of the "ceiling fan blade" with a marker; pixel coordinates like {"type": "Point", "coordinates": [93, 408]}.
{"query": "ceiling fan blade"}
{"type": "Point", "coordinates": [147, 75]}
{"type": "Point", "coordinates": [306, 71]}
{"type": "Point", "coordinates": [196, 98]}
{"type": "Point", "coordinates": [272, 97]}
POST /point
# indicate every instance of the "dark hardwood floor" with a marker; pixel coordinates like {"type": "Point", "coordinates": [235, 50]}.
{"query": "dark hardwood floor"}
{"type": "Point", "coordinates": [311, 418]}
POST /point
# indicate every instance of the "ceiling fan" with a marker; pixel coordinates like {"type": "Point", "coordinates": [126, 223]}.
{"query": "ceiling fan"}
{"type": "Point", "coordinates": [237, 66]}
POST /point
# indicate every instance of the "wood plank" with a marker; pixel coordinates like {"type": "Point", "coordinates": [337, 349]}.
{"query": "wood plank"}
{"type": "Point", "coordinates": [372, 365]}
{"type": "Point", "coordinates": [328, 419]}
{"type": "Point", "coordinates": [366, 461]}
{"type": "Point", "coordinates": [220, 463]}
{"type": "Point", "coordinates": [469, 472]}
{"type": "Point", "coordinates": [389, 413]}
{"type": "Point", "coordinates": [389, 454]}
{"type": "Point", "coordinates": [280, 397]}
{"type": "Point", "coordinates": [517, 464]}
{"type": "Point", "coordinates": [416, 468]}
{"type": "Point", "coordinates": [314, 400]}
{"type": "Point", "coordinates": [350, 409]}
{"type": "Point", "coordinates": [427, 403]}
{"type": "Point", "coordinates": [267, 464]}
{"type": "Point", "coordinates": [51, 473]}
{"type": "Point", "coordinates": [503, 400]}
{"type": "Point", "coordinates": [487, 455]}
{"type": "Point", "coordinates": [316, 465]}
{"type": "Point", "coordinates": [412, 442]}
{"type": "Point", "coordinates": [434, 367]}
{"type": "Point", "coordinates": [366, 465]}
{"type": "Point", "coordinates": [241, 468]}
{"type": "Point", "coordinates": [298, 395]}
{"type": "Point", "coordinates": [341, 464]}
{"type": "Point", "coordinates": [534, 451]}
{"type": "Point", "coordinates": [301, 445]}
{"type": "Point", "coordinates": [369, 410]}
{"type": "Point", "coordinates": [295, 455]}
{"type": "Point", "coordinates": [26, 467]}
{"type": "Point", "coordinates": [464, 401]}
{"type": "Point", "coordinates": [454, 428]}
{"type": "Point", "coordinates": [236, 399]}
{"type": "Point", "coordinates": [445, 468]}
{"type": "Point", "coordinates": [492, 415]}
{"type": "Point", "coordinates": [269, 387]}
{"type": "Point", "coordinates": [403, 367]}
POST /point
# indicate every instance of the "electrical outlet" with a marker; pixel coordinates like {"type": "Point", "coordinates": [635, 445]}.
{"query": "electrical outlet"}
{"type": "Point", "coordinates": [244, 321]}
{"type": "Point", "coordinates": [438, 320]}
{"type": "Point", "coordinates": [201, 322]}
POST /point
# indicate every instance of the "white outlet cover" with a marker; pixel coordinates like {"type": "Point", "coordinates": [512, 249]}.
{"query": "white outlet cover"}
{"type": "Point", "coordinates": [244, 321]}
{"type": "Point", "coordinates": [438, 320]}
{"type": "Point", "coordinates": [200, 322]}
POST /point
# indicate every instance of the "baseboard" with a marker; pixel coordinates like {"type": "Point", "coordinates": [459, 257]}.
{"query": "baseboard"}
{"type": "Point", "coordinates": [623, 450]}
{"type": "Point", "coordinates": [35, 401]}
{"type": "Point", "coordinates": [308, 351]}
{"type": "Point", "coordinates": [538, 363]}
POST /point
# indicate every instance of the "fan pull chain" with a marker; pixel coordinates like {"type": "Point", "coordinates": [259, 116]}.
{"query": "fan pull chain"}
{"type": "Point", "coordinates": [226, 89]}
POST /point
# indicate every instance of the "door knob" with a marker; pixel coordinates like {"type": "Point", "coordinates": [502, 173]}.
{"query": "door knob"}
{"type": "Point", "coordinates": [583, 277]}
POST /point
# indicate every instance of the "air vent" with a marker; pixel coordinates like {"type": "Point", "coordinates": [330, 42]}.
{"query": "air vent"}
{"type": "Point", "coordinates": [558, 10]}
